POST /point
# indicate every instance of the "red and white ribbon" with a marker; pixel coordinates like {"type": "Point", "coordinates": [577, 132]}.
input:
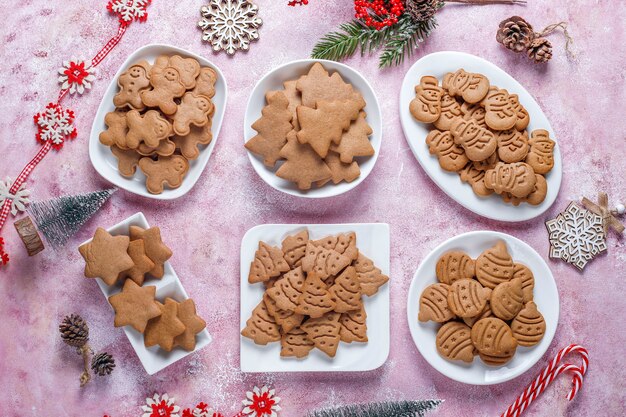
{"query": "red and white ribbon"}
{"type": "Point", "coordinates": [550, 372]}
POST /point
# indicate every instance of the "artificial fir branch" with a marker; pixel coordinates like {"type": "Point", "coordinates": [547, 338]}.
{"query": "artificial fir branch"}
{"type": "Point", "coordinates": [407, 38]}
{"type": "Point", "coordinates": [382, 409]}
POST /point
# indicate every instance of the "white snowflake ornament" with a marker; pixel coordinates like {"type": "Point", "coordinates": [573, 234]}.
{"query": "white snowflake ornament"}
{"type": "Point", "coordinates": [261, 402]}
{"type": "Point", "coordinates": [19, 199]}
{"type": "Point", "coordinates": [576, 236]}
{"type": "Point", "coordinates": [76, 76]}
{"type": "Point", "coordinates": [160, 406]}
{"type": "Point", "coordinates": [230, 25]}
{"type": "Point", "coordinates": [55, 125]}
{"type": "Point", "coordinates": [129, 10]}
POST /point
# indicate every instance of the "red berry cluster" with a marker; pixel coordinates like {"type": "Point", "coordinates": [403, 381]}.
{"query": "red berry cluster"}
{"type": "Point", "coordinates": [294, 3]}
{"type": "Point", "coordinates": [4, 257]}
{"type": "Point", "coordinates": [388, 10]}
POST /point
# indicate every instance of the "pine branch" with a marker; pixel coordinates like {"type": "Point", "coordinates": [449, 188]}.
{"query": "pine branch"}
{"type": "Point", "coordinates": [383, 409]}
{"type": "Point", "coordinates": [405, 40]}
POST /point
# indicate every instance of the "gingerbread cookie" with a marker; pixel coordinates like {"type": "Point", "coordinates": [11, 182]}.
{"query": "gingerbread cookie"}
{"type": "Point", "coordinates": [535, 198]}
{"type": "Point", "coordinates": [188, 144]}
{"type": "Point", "coordinates": [205, 83]}
{"type": "Point", "coordinates": [192, 110]}
{"type": "Point", "coordinates": [512, 145]}
{"type": "Point", "coordinates": [149, 128]}
{"type": "Point", "coordinates": [494, 266]}
{"type": "Point", "coordinates": [287, 290]}
{"type": "Point", "coordinates": [193, 323]}
{"type": "Point", "coordinates": [127, 160]}
{"type": "Point", "coordinates": [134, 306]}
{"type": "Point", "coordinates": [166, 148]}
{"type": "Point", "coordinates": [315, 300]}
{"type": "Point", "coordinates": [164, 329]}
{"type": "Point", "coordinates": [474, 112]}
{"type": "Point", "coordinates": [524, 273]}
{"type": "Point", "coordinates": [353, 326]}
{"type": "Point", "coordinates": [479, 143]}
{"type": "Point", "coordinates": [272, 128]}
{"type": "Point", "coordinates": [470, 321]}
{"type": "Point", "coordinates": [188, 68]}
{"type": "Point", "coordinates": [454, 265]}
{"type": "Point", "coordinates": [318, 86]}
{"type": "Point", "coordinates": [295, 343]}
{"type": "Point", "coordinates": [507, 299]}
{"type": "Point", "coordinates": [494, 340]}
{"type": "Point", "coordinates": [286, 319]}
{"type": "Point", "coordinates": [295, 100]}
{"type": "Point", "coordinates": [454, 342]}
{"type": "Point", "coordinates": [451, 157]}
{"type": "Point", "coordinates": [523, 118]}
{"type": "Point", "coordinates": [167, 85]}
{"type": "Point", "coordinates": [294, 247]}
{"type": "Point", "coordinates": [168, 170]}
{"type": "Point", "coordinates": [324, 332]}
{"type": "Point", "coordinates": [303, 165]}
{"type": "Point", "coordinates": [434, 304]}
{"type": "Point", "coordinates": [324, 262]}
{"type": "Point", "coordinates": [340, 171]}
{"type": "Point", "coordinates": [450, 111]}
{"type": "Point", "coordinates": [528, 326]}
{"type": "Point", "coordinates": [475, 178]}
{"type": "Point", "coordinates": [155, 249]}
{"type": "Point", "coordinates": [344, 243]}
{"type": "Point", "coordinates": [131, 83]}
{"type": "Point", "coordinates": [115, 134]}
{"type": "Point", "coordinates": [355, 141]}
{"type": "Point", "coordinates": [467, 298]}
{"type": "Point", "coordinates": [261, 326]}
{"type": "Point", "coordinates": [470, 86]}
{"type": "Point", "coordinates": [500, 113]}
{"type": "Point", "coordinates": [426, 106]}
{"type": "Point", "coordinates": [268, 262]}
{"type": "Point", "coordinates": [488, 163]}
{"type": "Point", "coordinates": [540, 156]}
{"type": "Point", "coordinates": [142, 263]}
{"type": "Point", "coordinates": [370, 277]}
{"type": "Point", "coordinates": [106, 256]}
{"type": "Point", "coordinates": [517, 178]}
{"type": "Point", "coordinates": [346, 291]}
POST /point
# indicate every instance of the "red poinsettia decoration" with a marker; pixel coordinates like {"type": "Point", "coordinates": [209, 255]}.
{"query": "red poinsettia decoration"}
{"type": "Point", "coordinates": [55, 125]}
{"type": "Point", "coordinates": [261, 402]}
{"type": "Point", "coordinates": [76, 76]}
{"type": "Point", "coordinates": [129, 10]}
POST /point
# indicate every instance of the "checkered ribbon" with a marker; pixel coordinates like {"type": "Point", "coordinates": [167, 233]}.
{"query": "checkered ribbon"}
{"type": "Point", "coordinates": [548, 375]}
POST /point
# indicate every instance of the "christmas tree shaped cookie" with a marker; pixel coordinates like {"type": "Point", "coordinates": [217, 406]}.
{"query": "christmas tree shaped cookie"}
{"type": "Point", "coordinates": [315, 300]}
{"type": "Point", "coordinates": [268, 262]}
{"type": "Point", "coordinates": [261, 326]}
{"type": "Point", "coordinates": [355, 142]}
{"type": "Point", "coordinates": [294, 247]}
{"type": "Point", "coordinates": [370, 277]}
{"type": "Point", "coordinates": [344, 243]}
{"type": "Point", "coordinates": [302, 166]}
{"type": "Point", "coordinates": [346, 291]}
{"type": "Point", "coordinates": [295, 343]}
{"type": "Point", "coordinates": [318, 85]}
{"type": "Point", "coordinates": [287, 320]}
{"type": "Point", "coordinates": [324, 332]}
{"type": "Point", "coordinates": [287, 290]}
{"type": "Point", "coordinates": [324, 262]}
{"type": "Point", "coordinates": [353, 326]}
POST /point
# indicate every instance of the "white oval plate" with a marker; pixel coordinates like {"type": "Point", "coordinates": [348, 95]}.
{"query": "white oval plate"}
{"type": "Point", "coordinates": [492, 207]}
{"type": "Point", "coordinates": [105, 162]}
{"type": "Point", "coordinates": [546, 296]}
{"type": "Point", "coordinates": [291, 71]}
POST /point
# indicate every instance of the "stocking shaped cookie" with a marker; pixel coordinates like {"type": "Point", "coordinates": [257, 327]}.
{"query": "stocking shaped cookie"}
{"type": "Point", "coordinates": [115, 134]}
{"type": "Point", "coordinates": [353, 326]}
{"type": "Point", "coordinates": [303, 165]}
{"type": "Point", "coordinates": [149, 128]}
{"type": "Point", "coordinates": [168, 170]}
{"type": "Point", "coordinates": [355, 141]}
{"type": "Point", "coordinates": [194, 110]}
{"type": "Point", "coordinates": [471, 87]}
{"type": "Point", "coordinates": [325, 124]}
{"type": "Point", "coordinates": [167, 85]}
{"type": "Point", "coordinates": [454, 265]}
{"type": "Point", "coordinates": [315, 300]}
{"type": "Point", "coordinates": [479, 143]}
{"type": "Point", "coordinates": [287, 290]}
{"type": "Point", "coordinates": [346, 291]}
{"type": "Point", "coordinates": [517, 178]}
{"type": "Point", "coordinates": [474, 112]}
{"type": "Point", "coordinates": [272, 128]}
{"type": "Point", "coordinates": [524, 273]}
{"type": "Point", "coordinates": [450, 111]}
{"type": "Point", "coordinates": [294, 247]}
{"type": "Point", "coordinates": [494, 266]}
{"type": "Point", "coordinates": [494, 340]}
{"type": "Point", "coordinates": [370, 277]}
{"type": "Point", "coordinates": [434, 304]}
{"type": "Point", "coordinates": [324, 332]}
{"type": "Point", "coordinates": [188, 144]}
{"type": "Point", "coordinates": [507, 299]}
{"type": "Point", "coordinates": [500, 113]}
{"type": "Point", "coordinates": [205, 83]}
{"type": "Point", "coordinates": [188, 68]}
{"type": "Point", "coordinates": [295, 343]}
{"type": "Point", "coordinates": [426, 106]}
{"type": "Point", "coordinates": [318, 86]}
{"type": "Point", "coordinates": [451, 156]}
{"type": "Point", "coordinates": [454, 342]}
{"type": "Point", "coordinates": [132, 82]}
{"type": "Point", "coordinates": [540, 156]}
{"type": "Point", "coordinates": [475, 178]}
{"type": "Point", "coordinates": [344, 243]}
{"type": "Point", "coordinates": [528, 326]}
{"type": "Point", "coordinates": [261, 326]}
{"type": "Point", "coordinates": [512, 145]}
{"type": "Point", "coordinates": [127, 160]}
{"type": "Point", "coordinates": [523, 118]}
{"type": "Point", "coordinates": [268, 262]}
{"type": "Point", "coordinates": [467, 298]}
{"type": "Point", "coordinates": [324, 262]}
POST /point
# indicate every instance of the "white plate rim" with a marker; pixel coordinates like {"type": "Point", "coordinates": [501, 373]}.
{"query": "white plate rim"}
{"type": "Point", "coordinates": [413, 306]}
{"type": "Point", "coordinates": [490, 207]}
{"type": "Point", "coordinates": [329, 190]}
{"type": "Point", "coordinates": [191, 178]}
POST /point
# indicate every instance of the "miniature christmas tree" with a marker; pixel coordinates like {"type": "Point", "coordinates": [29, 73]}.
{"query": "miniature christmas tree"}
{"type": "Point", "coordinates": [60, 218]}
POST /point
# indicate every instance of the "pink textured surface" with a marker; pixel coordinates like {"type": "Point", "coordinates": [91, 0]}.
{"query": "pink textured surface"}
{"type": "Point", "coordinates": [584, 100]}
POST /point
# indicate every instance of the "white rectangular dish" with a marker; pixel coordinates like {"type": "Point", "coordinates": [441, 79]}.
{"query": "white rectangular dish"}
{"type": "Point", "coordinates": [373, 240]}
{"type": "Point", "coordinates": [105, 162]}
{"type": "Point", "coordinates": [153, 359]}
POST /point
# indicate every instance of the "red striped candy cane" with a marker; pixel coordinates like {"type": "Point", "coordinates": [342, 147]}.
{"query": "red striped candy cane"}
{"type": "Point", "coordinates": [548, 375]}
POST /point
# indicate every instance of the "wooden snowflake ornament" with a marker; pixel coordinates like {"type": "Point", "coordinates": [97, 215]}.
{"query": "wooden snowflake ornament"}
{"type": "Point", "coordinates": [576, 236]}
{"type": "Point", "coordinates": [230, 25]}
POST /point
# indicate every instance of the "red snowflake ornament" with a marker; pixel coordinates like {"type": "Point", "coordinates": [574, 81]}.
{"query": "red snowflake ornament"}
{"type": "Point", "coordinates": [160, 406]}
{"type": "Point", "coordinates": [55, 125]}
{"type": "Point", "coordinates": [129, 10]}
{"type": "Point", "coordinates": [261, 402]}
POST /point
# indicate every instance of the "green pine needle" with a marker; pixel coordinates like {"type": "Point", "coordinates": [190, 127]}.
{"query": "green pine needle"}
{"type": "Point", "coordinates": [398, 41]}
{"type": "Point", "coordinates": [382, 409]}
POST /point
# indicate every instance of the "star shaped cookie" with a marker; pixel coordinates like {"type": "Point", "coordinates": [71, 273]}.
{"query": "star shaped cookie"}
{"type": "Point", "coordinates": [135, 306]}
{"type": "Point", "coordinates": [155, 248]}
{"type": "Point", "coordinates": [194, 325]}
{"type": "Point", "coordinates": [163, 330]}
{"type": "Point", "coordinates": [106, 256]}
{"type": "Point", "coordinates": [142, 264]}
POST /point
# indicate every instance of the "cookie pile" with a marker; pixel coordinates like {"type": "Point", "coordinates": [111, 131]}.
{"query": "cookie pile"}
{"type": "Point", "coordinates": [486, 306]}
{"type": "Point", "coordinates": [313, 296]}
{"type": "Point", "coordinates": [480, 133]}
{"type": "Point", "coordinates": [316, 127]}
{"type": "Point", "coordinates": [130, 259]}
{"type": "Point", "coordinates": [163, 112]}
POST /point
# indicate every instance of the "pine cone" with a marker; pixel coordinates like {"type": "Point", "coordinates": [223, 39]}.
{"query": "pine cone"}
{"type": "Point", "coordinates": [74, 330]}
{"type": "Point", "coordinates": [102, 364]}
{"type": "Point", "coordinates": [515, 34]}
{"type": "Point", "coordinates": [422, 10]}
{"type": "Point", "coordinates": [540, 50]}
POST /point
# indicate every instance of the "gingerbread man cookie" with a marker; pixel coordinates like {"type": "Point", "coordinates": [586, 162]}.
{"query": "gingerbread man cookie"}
{"type": "Point", "coordinates": [194, 110]}
{"type": "Point", "coordinates": [205, 83]}
{"type": "Point", "coordinates": [167, 85]}
{"type": "Point", "coordinates": [132, 82]}
{"type": "Point", "coordinates": [168, 170]}
{"type": "Point", "coordinates": [149, 128]}
{"type": "Point", "coordinates": [115, 134]}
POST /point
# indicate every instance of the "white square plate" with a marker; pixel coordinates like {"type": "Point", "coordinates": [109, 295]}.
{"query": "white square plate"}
{"type": "Point", "coordinates": [492, 207]}
{"type": "Point", "coordinates": [292, 71]}
{"type": "Point", "coordinates": [546, 296]}
{"type": "Point", "coordinates": [105, 162]}
{"type": "Point", "coordinates": [373, 241]}
{"type": "Point", "coordinates": [153, 358]}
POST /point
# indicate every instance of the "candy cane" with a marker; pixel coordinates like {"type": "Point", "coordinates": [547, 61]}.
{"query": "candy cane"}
{"type": "Point", "coordinates": [548, 375]}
